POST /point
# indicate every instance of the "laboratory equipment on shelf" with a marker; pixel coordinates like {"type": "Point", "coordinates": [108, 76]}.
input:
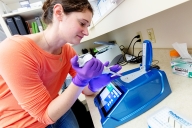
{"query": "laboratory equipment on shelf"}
{"type": "Point", "coordinates": [109, 51]}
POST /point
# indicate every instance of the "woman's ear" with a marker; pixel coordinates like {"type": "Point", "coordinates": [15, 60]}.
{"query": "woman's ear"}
{"type": "Point", "coordinates": [58, 12]}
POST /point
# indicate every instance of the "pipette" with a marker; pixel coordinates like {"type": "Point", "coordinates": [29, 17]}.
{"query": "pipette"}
{"type": "Point", "coordinates": [87, 57]}
{"type": "Point", "coordinates": [107, 70]}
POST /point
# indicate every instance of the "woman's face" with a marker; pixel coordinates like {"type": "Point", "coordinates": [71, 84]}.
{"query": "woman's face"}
{"type": "Point", "coordinates": [74, 26]}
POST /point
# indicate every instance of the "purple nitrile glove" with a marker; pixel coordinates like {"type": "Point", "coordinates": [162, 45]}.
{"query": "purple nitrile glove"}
{"type": "Point", "coordinates": [93, 68]}
{"type": "Point", "coordinates": [98, 83]}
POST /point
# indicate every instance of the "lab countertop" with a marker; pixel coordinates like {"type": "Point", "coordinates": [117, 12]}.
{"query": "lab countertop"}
{"type": "Point", "coordinates": [179, 100]}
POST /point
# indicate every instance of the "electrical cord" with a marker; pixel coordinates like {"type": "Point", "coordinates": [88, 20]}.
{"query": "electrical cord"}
{"type": "Point", "coordinates": [155, 65]}
{"type": "Point", "coordinates": [137, 36]}
{"type": "Point", "coordinates": [122, 48]}
{"type": "Point", "coordinates": [155, 61]}
{"type": "Point", "coordinates": [140, 52]}
{"type": "Point", "coordinates": [122, 60]}
{"type": "Point", "coordinates": [136, 59]}
{"type": "Point", "coordinates": [123, 57]}
{"type": "Point", "coordinates": [139, 40]}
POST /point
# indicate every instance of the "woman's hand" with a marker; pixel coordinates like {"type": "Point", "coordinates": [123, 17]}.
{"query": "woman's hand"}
{"type": "Point", "coordinates": [93, 68]}
{"type": "Point", "coordinates": [99, 82]}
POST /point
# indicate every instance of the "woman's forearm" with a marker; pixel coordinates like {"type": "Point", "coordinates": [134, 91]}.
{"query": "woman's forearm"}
{"type": "Point", "coordinates": [63, 102]}
{"type": "Point", "coordinates": [87, 91]}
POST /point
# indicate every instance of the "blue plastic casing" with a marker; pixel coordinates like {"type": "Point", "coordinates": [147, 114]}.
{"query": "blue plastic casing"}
{"type": "Point", "coordinates": [136, 97]}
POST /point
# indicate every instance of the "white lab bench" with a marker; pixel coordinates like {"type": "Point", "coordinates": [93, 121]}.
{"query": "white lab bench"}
{"type": "Point", "coordinates": [179, 100]}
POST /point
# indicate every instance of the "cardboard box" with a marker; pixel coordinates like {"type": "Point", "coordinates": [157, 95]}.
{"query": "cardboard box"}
{"type": "Point", "coordinates": [182, 66]}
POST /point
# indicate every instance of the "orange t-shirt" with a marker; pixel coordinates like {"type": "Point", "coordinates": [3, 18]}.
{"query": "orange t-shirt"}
{"type": "Point", "coordinates": [30, 79]}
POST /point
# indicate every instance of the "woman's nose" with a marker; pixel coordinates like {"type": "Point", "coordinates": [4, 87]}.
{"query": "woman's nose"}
{"type": "Point", "coordinates": [85, 31]}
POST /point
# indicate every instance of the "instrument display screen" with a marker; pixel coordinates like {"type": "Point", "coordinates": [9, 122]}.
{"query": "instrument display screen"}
{"type": "Point", "coordinates": [109, 97]}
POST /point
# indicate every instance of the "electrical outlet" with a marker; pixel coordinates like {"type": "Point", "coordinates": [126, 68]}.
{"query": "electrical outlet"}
{"type": "Point", "coordinates": [139, 33]}
{"type": "Point", "coordinates": [151, 35]}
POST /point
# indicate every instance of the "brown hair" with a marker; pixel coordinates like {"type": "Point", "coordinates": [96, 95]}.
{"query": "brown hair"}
{"type": "Point", "coordinates": [68, 7]}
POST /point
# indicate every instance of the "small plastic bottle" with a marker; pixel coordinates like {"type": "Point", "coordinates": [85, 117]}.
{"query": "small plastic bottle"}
{"type": "Point", "coordinates": [174, 54]}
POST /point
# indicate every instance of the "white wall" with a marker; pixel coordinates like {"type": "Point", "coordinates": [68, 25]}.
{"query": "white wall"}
{"type": "Point", "coordinates": [90, 44]}
{"type": "Point", "coordinates": [130, 11]}
{"type": "Point", "coordinates": [3, 8]}
{"type": "Point", "coordinates": [172, 25]}
{"type": "Point", "coordinates": [2, 34]}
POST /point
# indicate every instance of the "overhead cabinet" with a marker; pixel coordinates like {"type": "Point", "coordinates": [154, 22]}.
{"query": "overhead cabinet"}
{"type": "Point", "coordinates": [127, 12]}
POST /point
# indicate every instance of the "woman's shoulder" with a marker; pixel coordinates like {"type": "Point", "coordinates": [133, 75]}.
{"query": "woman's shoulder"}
{"type": "Point", "coordinates": [16, 39]}
{"type": "Point", "coordinates": [17, 43]}
{"type": "Point", "coordinates": [12, 42]}
{"type": "Point", "coordinates": [14, 48]}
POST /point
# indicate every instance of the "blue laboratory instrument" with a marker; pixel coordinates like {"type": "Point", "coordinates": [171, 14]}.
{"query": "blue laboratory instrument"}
{"type": "Point", "coordinates": [135, 92]}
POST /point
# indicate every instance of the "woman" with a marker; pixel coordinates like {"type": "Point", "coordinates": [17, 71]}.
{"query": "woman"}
{"type": "Point", "coordinates": [33, 68]}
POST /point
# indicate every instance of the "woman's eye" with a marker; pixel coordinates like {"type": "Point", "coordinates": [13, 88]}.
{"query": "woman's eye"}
{"type": "Point", "coordinates": [82, 24]}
